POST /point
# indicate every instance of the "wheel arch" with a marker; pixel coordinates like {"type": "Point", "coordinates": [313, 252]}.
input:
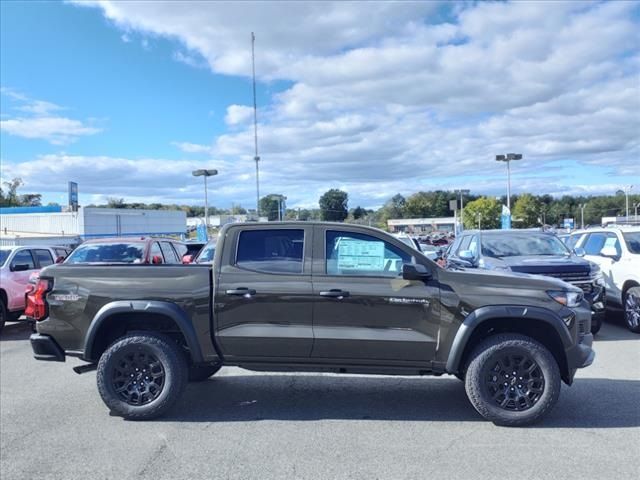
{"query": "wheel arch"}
{"type": "Point", "coordinates": [117, 318]}
{"type": "Point", "coordinates": [627, 285]}
{"type": "Point", "coordinates": [538, 323]}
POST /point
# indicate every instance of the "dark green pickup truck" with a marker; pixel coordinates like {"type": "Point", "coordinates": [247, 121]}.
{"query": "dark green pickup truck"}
{"type": "Point", "coordinates": [301, 296]}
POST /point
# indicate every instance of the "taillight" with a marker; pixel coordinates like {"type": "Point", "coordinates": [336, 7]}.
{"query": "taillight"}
{"type": "Point", "coordinates": [37, 307]}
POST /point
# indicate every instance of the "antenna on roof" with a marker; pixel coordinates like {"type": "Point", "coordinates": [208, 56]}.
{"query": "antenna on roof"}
{"type": "Point", "coordinates": [255, 125]}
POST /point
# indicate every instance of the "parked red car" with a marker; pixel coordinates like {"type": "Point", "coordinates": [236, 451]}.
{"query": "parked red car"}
{"type": "Point", "coordinates": [143, 250]}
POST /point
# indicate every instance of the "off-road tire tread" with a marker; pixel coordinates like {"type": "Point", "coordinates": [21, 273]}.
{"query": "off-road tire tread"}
{"type": "Point", "coordinates": [473, 378]}
{"type": "Point", "coordinates": [624, 306]}
{"type": "Point", "coordinates": [176, 364]}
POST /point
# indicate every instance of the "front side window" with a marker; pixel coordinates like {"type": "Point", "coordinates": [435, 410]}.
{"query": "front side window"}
{"type": "Point", "coordinates": [207, 254]}
{"type": "Point", "coordinates": [597, 241]}
{"type": "Point", "coordinates": [116, 252]}
{"type": "Point", "coordinates": [23, 257]}
{"type": "Point", "coordinates": [271, 251]}
{"type": "Point", "coordinates": [44, 257]}
{"type": "Point", "coordinates": [362, 255]}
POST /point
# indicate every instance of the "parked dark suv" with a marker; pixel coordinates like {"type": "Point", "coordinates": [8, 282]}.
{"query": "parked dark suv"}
{"type": "Point", "coordinates": [532, 252]}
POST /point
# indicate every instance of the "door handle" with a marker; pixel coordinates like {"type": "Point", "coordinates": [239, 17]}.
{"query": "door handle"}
{"type": "Point", "coordinates": [335, 293]}
{"type": "Point", "coordinates": [244, 291]}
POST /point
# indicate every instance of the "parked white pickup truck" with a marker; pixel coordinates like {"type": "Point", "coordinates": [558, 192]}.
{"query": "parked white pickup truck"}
{"type": "Point", "coordinates": [616, 250]}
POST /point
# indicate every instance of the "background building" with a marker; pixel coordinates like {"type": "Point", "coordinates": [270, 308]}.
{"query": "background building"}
{"type": "Point", "coordinates": [40, 225]}
{"type": "Point", "coordinates": [421, 225]}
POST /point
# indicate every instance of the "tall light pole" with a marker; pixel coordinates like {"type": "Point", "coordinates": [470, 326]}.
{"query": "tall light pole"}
{"type": "Point", "coordinates": [479, 216]}
{"type": "Point", "coordinates": [508, 158]}
{"type": "Point", "coordinates": [205, 173]}
{"type": "Point", "coordinates": [627, 189]}
{"type": "Point", "coordinates": [256, 157]}
{"type": "Point", "coordinates": [462, 193]}
{"type": "Point", "coordinates": [582, 205]}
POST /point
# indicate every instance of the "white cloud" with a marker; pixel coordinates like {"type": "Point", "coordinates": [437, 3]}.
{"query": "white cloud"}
{"type": "Point", "coordinates": [237, 114]}
{"type": "Point", "coordinates": [42, 122]}
{"type": "Point", "coordinates": [188, 147]}
{"type": "Point", "coordinates": [384, 97]}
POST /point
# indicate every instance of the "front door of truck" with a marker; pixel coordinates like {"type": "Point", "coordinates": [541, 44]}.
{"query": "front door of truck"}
{"type": "Point", "coordinates": [363, 309]}
{"type": "Point", "coordinates": [264, 297]}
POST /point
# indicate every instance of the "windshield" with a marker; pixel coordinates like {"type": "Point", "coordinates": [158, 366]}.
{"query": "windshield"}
{"type": "Point", "coordinates": [632, 239]}
{"type": "Point", "coordinates": [206, 254]}
{"type": "Point", "coordinates": [4, 254]}
{"type": "Point", "coordinates": [516, 244]}
{"type": "Point", "coordinates": [107, 253]}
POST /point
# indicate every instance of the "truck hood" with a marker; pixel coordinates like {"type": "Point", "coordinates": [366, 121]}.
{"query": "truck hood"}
{"type": "Point", "coordinates": [541, 264]}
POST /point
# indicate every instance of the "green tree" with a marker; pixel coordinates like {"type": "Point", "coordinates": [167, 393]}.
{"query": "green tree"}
{"type": "Point", "coordinates": [419, 205]}
{"type": "Point", "coordinates": [527, 211]}
{"type": "Point", "coordinates": [358, 213]}
{"type": "Point", "coordinates": [393, 208]}
{"type": "Point", "coordinates": [10, 198]}
{"type": "Point", "coordinates": [484, 210]}
{"type": "Point", "coordinates": [333, 205]}
{"type": "Point", "coordinates": [269, 206]}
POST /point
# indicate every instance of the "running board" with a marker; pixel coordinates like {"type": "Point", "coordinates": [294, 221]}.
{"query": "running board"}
{"type": "Point", "coordinates": [85, 368]}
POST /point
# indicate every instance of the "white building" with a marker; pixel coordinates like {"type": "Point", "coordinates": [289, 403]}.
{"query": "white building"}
{"type": "Point", "coordinates": [88, 223]}
{"type": "Point", "coordinates": [217, 221]}
{"type": "Point", "coordinates": [421, 225]}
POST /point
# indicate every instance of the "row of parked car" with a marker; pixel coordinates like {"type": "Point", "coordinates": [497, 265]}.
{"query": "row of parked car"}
{"type": "Point", "coordinates": [20, 265]}
{"type": "Point", "coordinates": [603, 262]}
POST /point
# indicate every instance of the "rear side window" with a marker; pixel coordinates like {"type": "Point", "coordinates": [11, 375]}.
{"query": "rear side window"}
{"type": "Point", "coordinates": [23, 257]}
{"type": "Point", "coordinates": [61, 252]}
{"type": "Point", "coordinates": [168, 252]}
{"type": "Point", "coordinates": [155, 252]}
{"type": "Point", "coordinates": [271, 251]}
{"type": "Point", "coordinates": [181, 250]}
{"type": "Point", "coordinates": [44, 257]}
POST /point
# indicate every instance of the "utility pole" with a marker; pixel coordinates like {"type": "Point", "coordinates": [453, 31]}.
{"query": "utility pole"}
{"type": "Point", "coordinates": [582, 205]}
{"type": "Point", "coordinates": [256, 157]}
{"type": "Point", "coordinates": [508, 158]}
{"type": "Point", "coordinates": [479, 215]}
{"type": "Point", "coordinates": [462, 193]}
{"type": "Point", "coordinates": [627, 189]}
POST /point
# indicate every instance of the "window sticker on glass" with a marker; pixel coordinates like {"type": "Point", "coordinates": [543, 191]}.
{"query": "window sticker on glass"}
{"type": "Point", "coordinates": [360, 255]}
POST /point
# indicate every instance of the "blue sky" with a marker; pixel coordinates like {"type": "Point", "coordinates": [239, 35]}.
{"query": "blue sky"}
{"type": "Point", "coordinates": [127, 98]}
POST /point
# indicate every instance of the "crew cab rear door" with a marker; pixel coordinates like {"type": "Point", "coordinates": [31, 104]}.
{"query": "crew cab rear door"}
{"type": "Point", "coordinates": [363, 308]}
{"type": "Point", "coordinates": [264, 297]}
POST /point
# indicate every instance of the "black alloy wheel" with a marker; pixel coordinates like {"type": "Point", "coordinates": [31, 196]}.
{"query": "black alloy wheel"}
{"type": "Point", "coordinates": [632, 309]}
{"type": "Point", "coordinates": [138, 378]}
{"type": "Point", "coordinates": [514, 381]}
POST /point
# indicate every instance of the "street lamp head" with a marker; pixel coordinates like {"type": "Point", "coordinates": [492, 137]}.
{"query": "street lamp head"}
{"type": "Point", "coordinates": [204, 173]}
{"type": "Point", "coordinates": [501, 158]}
{"type": "Point", "coordinates": [514, 156]}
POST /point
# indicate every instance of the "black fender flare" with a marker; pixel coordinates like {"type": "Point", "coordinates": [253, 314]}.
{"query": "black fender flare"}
{"type": "Point", "coordinates": [167, 309]}
{"type": "Point", "coordinates": [483, 314]}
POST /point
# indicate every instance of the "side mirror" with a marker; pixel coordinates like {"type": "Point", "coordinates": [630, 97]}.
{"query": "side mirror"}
{"type": "Point", "coordinates": [415, 271]}
{"type": "Point", "coordinates": [187, 259]}
{"type": "Point", "coordinates": [579, 252]}
{"type": "Point", "coordinates": [466, 258]}
{"type": "Point", "coordinates": [610, 252]}
{"type": "Point", "coordinates": [59, 259]}
{"type": "Point", "coordinates": [20, 267]}
{"type": "Point", "coordinates": [156, 259]}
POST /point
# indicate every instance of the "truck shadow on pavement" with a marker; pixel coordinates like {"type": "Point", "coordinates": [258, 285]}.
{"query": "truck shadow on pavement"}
{"type": "Point", "coordinates": [589, 403]}
{"type": "Point", "coordinates": [15, 331]}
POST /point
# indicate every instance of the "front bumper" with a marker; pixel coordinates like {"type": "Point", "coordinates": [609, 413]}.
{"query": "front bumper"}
{"type": "Point", "coordinates": [45, 348]}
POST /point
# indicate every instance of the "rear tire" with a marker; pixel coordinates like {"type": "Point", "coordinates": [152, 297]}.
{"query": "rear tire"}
{"type": "Point", "coordinates": [141, 375]}
{"type": "Point", "coordinates": [596, 325]}
{"type": "Point", "coordinates": [200, 373]}
{"type": "Point", "coordinates": [507, 399]}
{"type": "Point", "coordinates": [632, 309]}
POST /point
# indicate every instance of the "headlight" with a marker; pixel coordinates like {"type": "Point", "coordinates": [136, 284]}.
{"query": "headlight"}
{"type": "Point", "coordinates": [568, 299]}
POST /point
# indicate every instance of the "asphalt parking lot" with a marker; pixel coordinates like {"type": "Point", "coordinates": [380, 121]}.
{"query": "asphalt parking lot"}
{"type": "Point", "coordinates": [246, 425]}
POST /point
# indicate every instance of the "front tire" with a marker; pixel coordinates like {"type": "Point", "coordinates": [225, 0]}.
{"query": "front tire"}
{"type": "Point", "coordinates": [512, 380]}
{"type": "Point", "coordinates": [141, 375]}
{"type": "Point", "coordinates": [632, 309]}
{"type": "Point", "coordinates": [596, 325]}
